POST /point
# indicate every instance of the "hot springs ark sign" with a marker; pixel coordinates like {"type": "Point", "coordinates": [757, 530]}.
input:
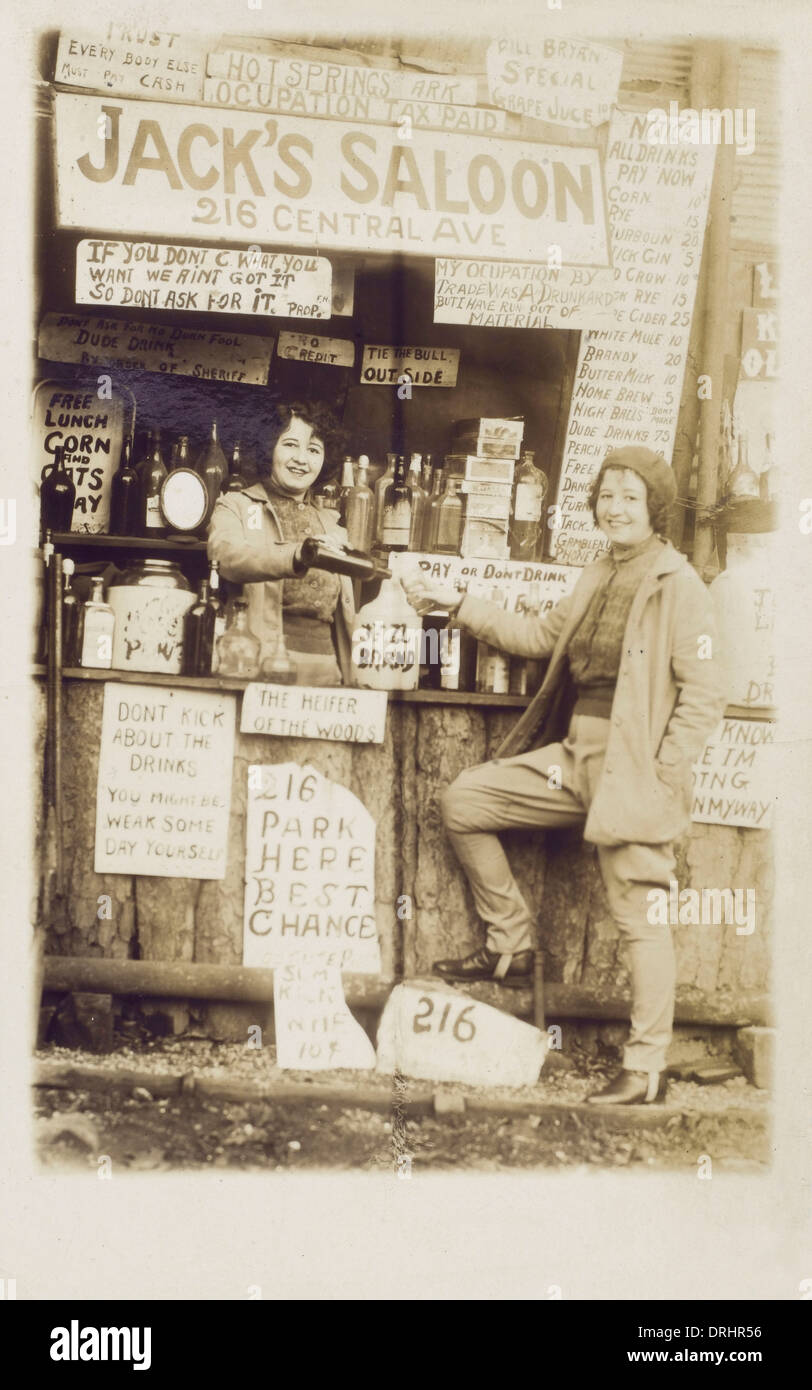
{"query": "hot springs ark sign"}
{"type": "Point", "coordinates": [181, 171]}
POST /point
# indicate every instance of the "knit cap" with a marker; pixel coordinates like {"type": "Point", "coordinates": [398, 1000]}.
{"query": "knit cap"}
{"type": "Point", "coordinates": [652, 468]}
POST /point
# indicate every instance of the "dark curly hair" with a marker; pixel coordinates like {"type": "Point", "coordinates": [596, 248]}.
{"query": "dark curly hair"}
{"type": "Point", "coordinates": [659, 510]}
{"type": "Point", "coordinates": [325, 427]}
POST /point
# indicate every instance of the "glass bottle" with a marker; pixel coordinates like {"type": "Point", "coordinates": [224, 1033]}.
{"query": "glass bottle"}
{"type": "Point", "coordinates": [359, 511]}
{"type": "Point", "coordinates": [236, 481]}
{"type": "Point", "coordinates": [380, 488]}
{"type": "Point", "coordinates": [420, 502]}
{"type": "Point", "coordinates": [493, 665]}
{"type": "Point", "coordinates": [181, 457]}
{"type": "Point", "coordinates": [386, 641]}
{"type": "Point", "coordinates": [44, 600]}
{"type": "Point", "coordinates": [57, 494]}
{"type": "Point", "coordinates": [743, 481]}
{"type": "Point", "coordinates": [396, 515]}
{"type": "Point", "coordinates": [238, 648]}
{"type": "Point", "coordinates": [98, 626]}
{"type": "Point", "coordinates": [218, 608]}
{"type": "Point", "coordinates": [347, 485]}
{"type": "Point", "coordinates": [450, 516]}
{"type": "Point", "coordinates": [198, 635]}
{"type": "Point", "coordinates": [212, 467]}
{"type": "Point", "coordinates": [432, 511]}
{"type": "Point", "coordinates": [71, 617]}
{"type": "Point", "coordinates": [426, 474]}
{"type": "Point", "coordinates": [527, 532]}
{"type": "Point", "coordinates": [152, 474]}
{"type": "Point", "coordinates": [277, 668]}
{"type": "Point", "coordinates": [125, 496]}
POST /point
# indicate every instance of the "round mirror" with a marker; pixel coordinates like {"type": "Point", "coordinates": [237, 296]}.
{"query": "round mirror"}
{"type": "Point", "coordinates": [184, 500]}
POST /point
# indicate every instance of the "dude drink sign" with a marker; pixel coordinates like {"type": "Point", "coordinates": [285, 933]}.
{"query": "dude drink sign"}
{"type": "Point", "coordinates": [178, 171]}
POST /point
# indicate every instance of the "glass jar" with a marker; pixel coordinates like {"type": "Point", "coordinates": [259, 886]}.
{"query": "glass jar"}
{"type": "Point", "coordinates": [238, 650]}
{"type": "Point", "coordinates": [150, 600]}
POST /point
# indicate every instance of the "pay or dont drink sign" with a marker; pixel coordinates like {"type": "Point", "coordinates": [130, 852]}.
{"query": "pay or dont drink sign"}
{"type": "Point", "coordinates": [164, 788]}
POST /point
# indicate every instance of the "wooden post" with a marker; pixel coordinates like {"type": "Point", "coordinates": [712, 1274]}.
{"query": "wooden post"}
{"type": "Point", "coordinates": [715, 94]}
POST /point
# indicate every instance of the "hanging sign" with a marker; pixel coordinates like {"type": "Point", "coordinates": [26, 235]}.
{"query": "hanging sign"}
{"type": "Point", "coordinates": [95, 341]}
{"type": "Point", "coordinates": [301, 711]}
{"type": "Point", "coordinates": [171, 171]}
{"type": "Point", "coordinates": [90, 429]}
{"type": "Point", "coordinates": [309, 870]}
{"type": "Point", "coordinates": [123, 61]}
{"type": "Point", "coordinates": [564, 81]}
{"type": "Point", "coordinates": [303, 75]}
{"type": "Point", "coordinates": [439, 1034]}
{"type": "Point", "coordinates": [510, 294]}
{"type": "Point", "coordinates": [426, 366]}
{"type": "Point", "coordinates": [206, 279]}
{"type": "Point", "coordinates": [327, 352]}
{"type": "Point", "coordinates": [352, 106]}
{"type": "Point", "coordinates": [628, 380]}
{"type": "Point", "coordinates": [734, 780]}
{"type": "Point", "coordinates": [164, 786]}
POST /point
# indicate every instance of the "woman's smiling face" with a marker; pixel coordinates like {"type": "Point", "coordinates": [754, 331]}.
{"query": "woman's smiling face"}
{"type": "Point", "coordinates": [298, 458]}
{"type": "Point", "coordinates": [622, 508]}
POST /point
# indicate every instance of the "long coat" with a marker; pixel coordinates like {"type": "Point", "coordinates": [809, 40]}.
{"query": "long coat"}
{"type": "Point", "coordinates": [670, 694]}
{"type": "Point", "coordinates": [245, 538]}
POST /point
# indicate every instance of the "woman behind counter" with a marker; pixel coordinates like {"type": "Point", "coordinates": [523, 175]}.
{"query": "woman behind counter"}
{"type": "Point", "coordinates": [255, 535]}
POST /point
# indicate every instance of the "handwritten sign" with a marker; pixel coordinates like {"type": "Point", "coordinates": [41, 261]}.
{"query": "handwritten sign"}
{"type": "Point", "coordinates": [564, 81]}
{"type": "Point", "coordinates": [509, 294]}
{"type": "Point", "coordinates": [628, 380]}
{"type": "Point", "coordinates": [90, 429]}
{"type": "Point", "coordinates": [513, 577]}
{"type": "Point", "coordinates": [164, 786]}
{"type": "Point", "coordinates": [745, 601]}
{"type": "Point", "coordinates": [734, 779]}
{"type": "Point", "coordinates": [301, 711]}
{"type": "Point", "coordinates": [129, 62]}
{"type": "Point", "coordinates": [427, 366]}
{"type": "Point", "coordinates": [759, 359]}
{"type": "Point", "coordinates": [309, 870]}
{"type": "Point", "coordinates": [314, 1027]}
{"type": "Point", "coordinates": [170, 171]}
{"type": "Point", "coordinates": [206, 279]}
{"type": "Point", "coordinates": [328, 352]}
{"type": "Point", "coordinates": [440, 1035]}
{"type": "Point", "coordinates": [340, 79]}
{"type": "Point", "coordinates": [93, 341]}
{"type": "Point", "coordinates": [351, 106]}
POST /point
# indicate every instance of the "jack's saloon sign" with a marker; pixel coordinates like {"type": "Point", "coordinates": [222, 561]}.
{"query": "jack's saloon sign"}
{"type": "Point", "coordinates": [123, 166]}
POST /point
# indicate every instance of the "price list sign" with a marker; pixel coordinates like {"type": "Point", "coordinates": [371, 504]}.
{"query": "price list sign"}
{"type": "Point", "coordinates": [629, 376]}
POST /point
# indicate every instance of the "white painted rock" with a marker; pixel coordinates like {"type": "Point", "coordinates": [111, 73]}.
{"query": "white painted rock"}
{"type": "Point", "coordinates": [315, 1030]}
{"type": "Point", "coordinates": [438, 1034]}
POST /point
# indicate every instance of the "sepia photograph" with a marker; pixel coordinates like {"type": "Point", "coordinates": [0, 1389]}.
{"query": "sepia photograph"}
{"type": "Point", "coordinates": [405, 533]}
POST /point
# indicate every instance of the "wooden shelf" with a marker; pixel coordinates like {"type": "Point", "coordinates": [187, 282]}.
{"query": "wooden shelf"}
{"type": "Point", "coordinates": [76, 540]}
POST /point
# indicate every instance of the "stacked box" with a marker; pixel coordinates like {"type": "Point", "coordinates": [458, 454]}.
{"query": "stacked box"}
{"type": "Point", "coordinates": [485, 538]}
{"type": "Point", "coordinates": [487, 500]}
{"type": "Point", "coordinates": [475, 468]}
{"type": "Point", "coordinates": [496, 438]}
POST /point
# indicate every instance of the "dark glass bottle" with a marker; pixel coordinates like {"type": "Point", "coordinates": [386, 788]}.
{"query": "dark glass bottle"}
{"type": "Point", "coordinates": [396, 514]}
{"type": "Point", "coordinates": [125, 496]}
{"type": "Point", "coordinates": [57, 494]}
{"type": "Point", "coordinates": [235, 481]}
{"type": "Point", "coordinates": [152, 473]}
{"type": "Point", "coordinates": [180, 453]}
{"type": "Point", "coordinates": [212, 467]}
{"type": "Point", "coordinates": [71, 617]}
{"type": "Point", "coordinates": [198, 635]}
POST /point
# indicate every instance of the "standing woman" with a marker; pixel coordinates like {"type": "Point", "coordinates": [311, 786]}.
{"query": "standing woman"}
{"type": "Point", "coordinates": [256, 535]}
{"type": "Point", "coordinates": [632, 692]}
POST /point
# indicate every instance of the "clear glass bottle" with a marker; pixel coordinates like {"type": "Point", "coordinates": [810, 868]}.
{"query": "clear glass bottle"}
{"type": "Point", "coordinates": [238, 648]}
{"type": "Point", "coordinates": [527, 530]}
{"type": "Point", "coordinates": [359, 511]}
{"type": "Point", "coordinates": [420, 502]}
{"type": "Point", "coordinates": [98, 627]}
{"type": "Point", "coordinates": [380, 488]}
{"type": "Point", "coordinates": [450, 516]}
{"type": "Point", "coordinates": [277, 668]}
{"type": "Point", "coordinates": [71, 616]}
{"type": "Point", "coordinates": [152, 473]}
{"type": "Point", "coordinates": [346, 487]}
{"type": "Point", "coordinates": [396, 516]}
{"type": "Point", "coordinates": [218, 608]}
{"type": "Point", "coordinates": [212, 467]}
{"type": "Point", "coordinates": [432, 511]}
{"type": "Point", "coordinates": [743, 481]}
{"type": "Point", "coordinates": [57, 494]}
{"type": "Point", "coordinates": [125, 496]}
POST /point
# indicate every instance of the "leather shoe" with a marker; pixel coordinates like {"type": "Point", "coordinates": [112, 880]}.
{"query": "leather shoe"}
{"type": "Point", "coordinates": [632, 1088]}
{"type": "Point", "coordinates": [516, 971]}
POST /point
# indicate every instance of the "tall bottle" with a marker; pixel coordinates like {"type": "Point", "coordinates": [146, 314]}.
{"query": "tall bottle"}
{"type": "Point", "coordinates": [71, 617]}
{"type": "Point", "coordinates": [743, 481]}
{"type": "Point", "coordinates": [218, 608]}
{"type": "Point", "coordinates": [125, 496]}
{"type": "Point", "coordinates": [198, 635]}
{"type": "Point", "coordinates": [420, 502]}
{"type": "Point", "coordinates": [359, 511]}
{"type": "Point", "coordinates": [396, 516]}
{"type": "Point", "coordinates": [346, 487]}
{"type": "Point", "coordinates": [449, 516]}
{"type": "Point", "coordinates": [527, 531]}
{"type": "Point", "coordinates": [98, 626]}
{"type": "Point", "coordinates": [238, 649]}
{"type": "Point", "coordinates": [236, 481]}
{"type": "Point", "coordinates": [427, 474]}
{"type": "Point", "coordinates": [152, 474]}
{"type": "Point", "coordinates": [493, 665]}
{"type": "Point", "coordinates": [432, 513]}
{"type": "Point", "coordinates": [57, 494]}
{"type": "Point", "coordinates": [212, 467]}
{"type": "Point", "coordinates": [380, 488]}
{"type": "Point", "coordinates": [181, 457]}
